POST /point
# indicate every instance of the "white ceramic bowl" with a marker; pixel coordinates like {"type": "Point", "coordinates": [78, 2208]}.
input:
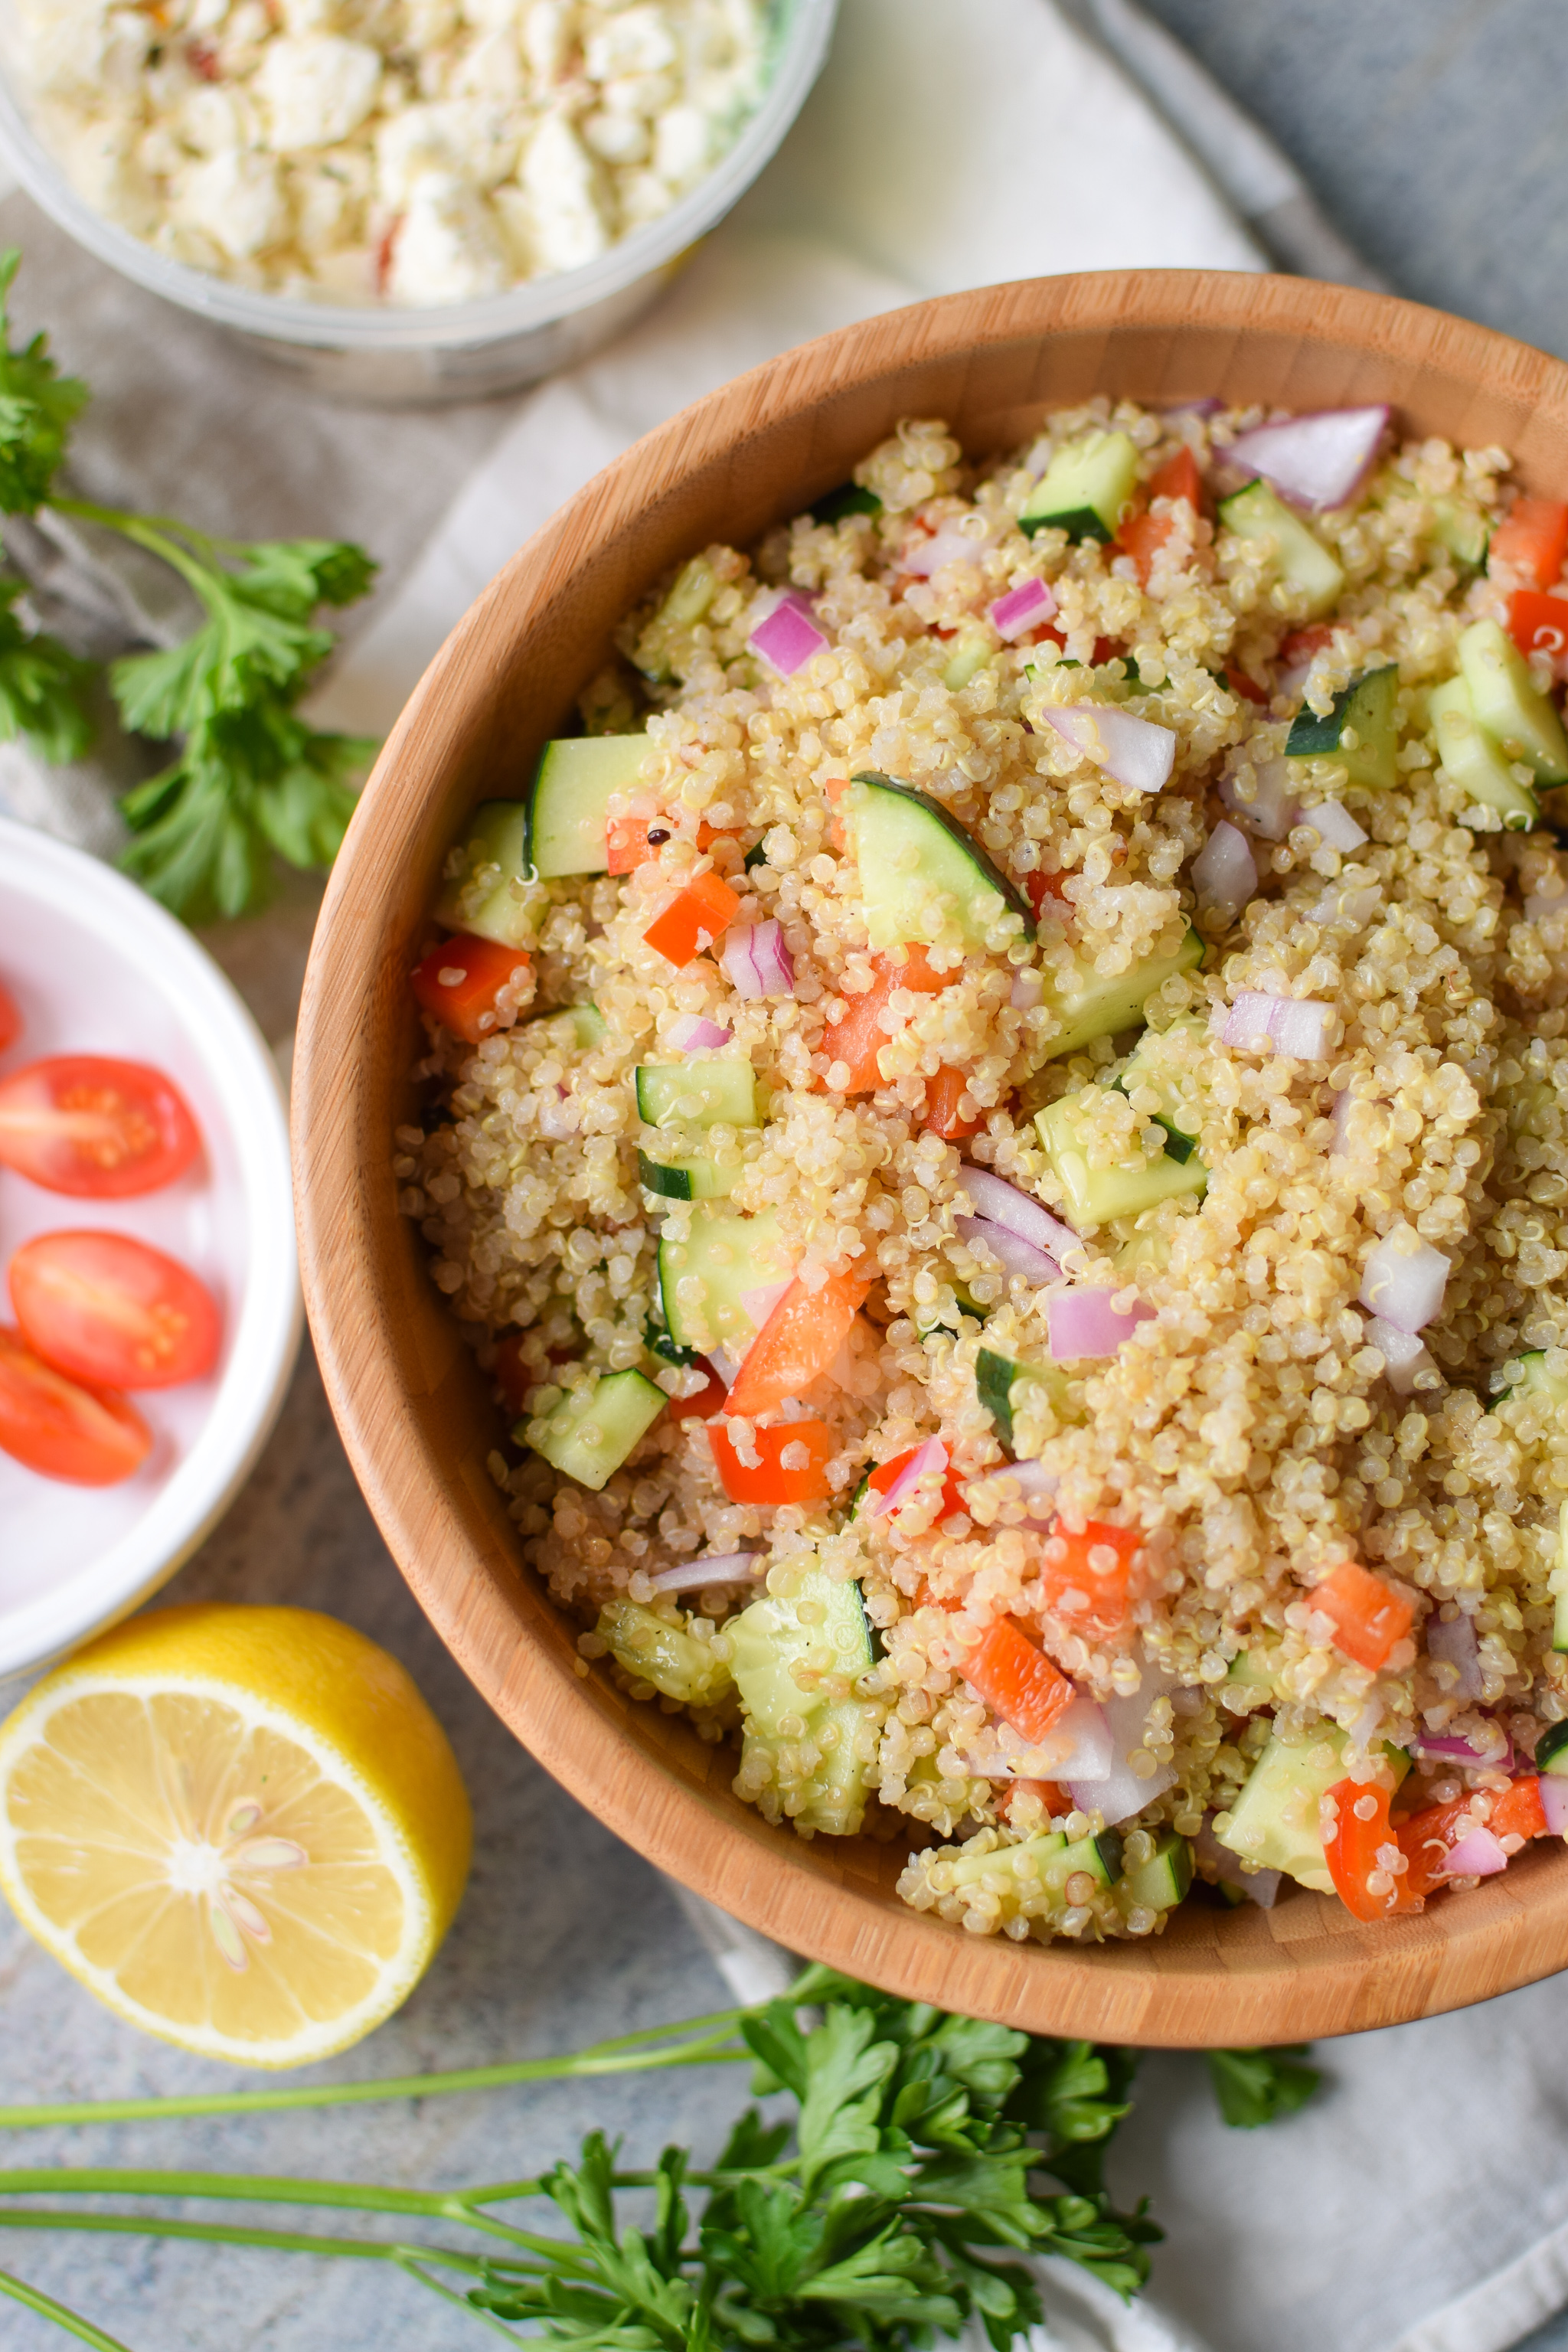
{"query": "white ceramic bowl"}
{"type": "Point", "coordinates": [387, 356]}
{"type": "Point", "coordinates": [97, 966]}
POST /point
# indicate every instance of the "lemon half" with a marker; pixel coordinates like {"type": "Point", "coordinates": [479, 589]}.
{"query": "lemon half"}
{"type": "Point", "coordinates": [242, 1829]}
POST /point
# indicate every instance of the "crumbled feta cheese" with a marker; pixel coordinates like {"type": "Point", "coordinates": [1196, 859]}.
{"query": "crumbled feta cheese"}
{"type": "Point", "coordinates": [638, 42]}
{"type": "Point", "coordinates": [238, 199]}
{"type": "Point", "coordinates": [447, 248]}
{"type": "Point", "coordinates": [477, 140]}
{"type": "Point", "coordinates": [317, 89]}
{"type": "Point", "coordinates": [617, 138]}
{"type": "Point", "coordinates": [558, 176]}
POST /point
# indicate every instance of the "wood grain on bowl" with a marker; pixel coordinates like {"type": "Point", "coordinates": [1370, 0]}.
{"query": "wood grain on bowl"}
{"type": "Point", "coordinates": [415, 1411]}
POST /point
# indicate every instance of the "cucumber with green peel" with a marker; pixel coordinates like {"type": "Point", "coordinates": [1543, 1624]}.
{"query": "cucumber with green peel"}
{"type": "Point", "coordinates": [927, 1319]}
{"type": "Point", "coordinates": [1559, 1585]}
{"type": "Point", "coordinates": [1515, 714]}
{"type": "Point", "coordinates": [1248, 1678]}
{"type": "Point", "coordinates": [702, 1280]}
{"type": "Point", "coordinates": [1154, 1065]}
{"type": "Point", "coordinates": [1551, 1751]}
{"type": "Point", "coordinates": [970, 654]}
{"type": "Point", "coordinates": [486, 898]}
{"type": "Point", "coordinates": [820, 1629]}
{"type": "Point", "coordinates": [1274, 1822]}
{"type": "Point", "coordinates": [921, 876]}
{"type": "Point", "coordinates": [1165, 1880]}
{"type": "Point", "coordinates": [1534, 1380]}
{"type": "Point", "coordinates": [1099, 1857]}
{"type": "Point", "coordinates": [698, 1094]}
{"type": "Point", "coordinates": [696, 586]}
{"type": "Point", "coordinates": [1085, 489]}
{"type": "Point", "coordinates": [1360, 731]}
{"type": "Point", "coordinates": [591, 1431]}
{"type": "Point", "coordinates": [1471, 758]}
{"type": "Point", "coordinates": [670, 1658]}
{"type": "Point", "coordinates": [849, 498]}
{"type": "Point", "coordinates": [1091, 1006]}
{"type": "Point", "coordinates": [579, 1027]}
{"type": "Point", "coordinates": [568, 800]}
{"type": "Point", "coordinates": [1304, 564]}
{"type": "Point", "coordinates": [690, 1179]}
{"type": "Point", "coordinates": [1095, 1195]}
{"type": "Point", "coordinates": [1002, 1386]}
{"type": "Point", "coordinates": [1463, 530]}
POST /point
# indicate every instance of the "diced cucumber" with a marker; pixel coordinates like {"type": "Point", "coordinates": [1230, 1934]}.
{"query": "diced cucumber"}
{"type": "Point", "coordinates": [567, 801]}
{"type": "Point", "coordinates": [1248, 1678]}
{"type": "Point", "coordinates": [1002, 1387]}
{"type": "Point", "coordinates": [579, 1027]}
{"type": "Point", "coordinates": [849, 498]}
{"type": "Point", "coordinates": [491, 907]}
{"type": "Point", "coordinates": [1099, 1857]}
{"type": "Point", "coordinates": [921, 876]}
{"type": "Point", "coordinates": [1155, 1065]}
{"type": "Point", "coordinates": [1361, 730]}
{"type": "Point", "coordinates": [591, 1433]}
{"type": "Point", "coordinates": [1462, 529]}
{"type": "Point", "coordinates": [820, 1630]}
{"type": "Point", "coordinates": [1085, 489]}
{"type": "Point", "coordinates": [1303, 561]}
{"type": "Point", "coordinates": [1163, 1881]}
{"type": "Point", "coordinates": [702, 1279]}
{"type": "Point", "coordinates": [696, 586]}
{"type": "Point", "coordinates": [1274, 1822]}
{"type": "Point", "coordinates": [1559, 1582]}
{"type": "Point", "coordinates": [698, 1094]}
{"type": "Point", "coordinates": [1517, 717]}
{"type": "Point", "coordinates": [970, 653]}
{"type": "Point", "coordinates": [1025, 1860]}
{"type": "Point", "coordinates": [1472, 760]}
{"type": "Point", "coordinates": [1095, 1195]}
{"type": "Point", "coordinates": [1090, 1006]}
{"type": "Point", "coordinates": [930, 1318]}
{"type": "Point", "coordinates": [1551, 1751]}
{"type": "Point", "coordinates": [670, 1658]}
{"type": "Point", "coordinates": [1534, 1380]}
{"type": "Point", "coordinates": [691, 1179]}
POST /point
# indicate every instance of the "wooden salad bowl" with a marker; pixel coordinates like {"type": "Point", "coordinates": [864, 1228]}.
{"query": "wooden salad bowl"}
{"type": "Point", "coordinates": [416, 1413]}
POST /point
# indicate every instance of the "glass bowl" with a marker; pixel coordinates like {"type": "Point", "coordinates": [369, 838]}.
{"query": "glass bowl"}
{"type": "Point", "coordinates": [393, 356]}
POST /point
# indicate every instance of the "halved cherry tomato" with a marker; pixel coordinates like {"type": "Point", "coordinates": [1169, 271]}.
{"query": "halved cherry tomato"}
{"type": "Point", "coordinates": [1370, 1619]}
{"type": "Point", "coordinates": [1018, 1681]}
{"type": "Point", "coordinates": [10, 1020]}
{"type": "Point", "coordinates": [98, 1129]}
{"type": "Point", "coordinates": [859, 1037]}
{"type": "Point", "coordinates": [771, 1479]}
{"type": "Point", "coordinates": [87, 1437]}
{"type": "Point", "coordinates": [942, 1117]}
{"type": "Point", "coordinates": [112, 1311]}
{"type": "Point", "coordinates": [1360, 1851]}
{"type": "Point", "coordinates": [798, 1341]}
{"type": "Point", "coordinates": [458, 982]}
{"type": "Point", "coordinates": [694, 919]}
{"type": "Point", "coordinates": [1079, 1582]}
{"type": "Point", "coordinates": [1532, 539]}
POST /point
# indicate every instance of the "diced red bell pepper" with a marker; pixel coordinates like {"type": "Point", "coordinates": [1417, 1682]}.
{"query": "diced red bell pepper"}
{"type": "Point", "coordinates": [1531, 539]}
{"type": "Point", "coordinates": [1075, 1586]}
{"type": "Point", "coordinates": [1018, 1681]}
{"type": "Point", "coordinates": [459, 980]}
{"type": "Point", "coordinates": [1179, 477]}
{"type": "Point", "coordinates": [694, 919]}
{"type": "Point", "coordinates": [1054, 1797]}
{"type": "Point", "coordinates": [10, 1020]}
{"type": "Point", "coordinates": [942, 1117]}
{"type": "Point", "coordinates": [1361, 1850]}
{"type": "Point", "coordinates": [1370, 1619]}
{"type": "Point", "coordinates": [1518, 1811]}
{"type": "Point", "coordinates": [1248, 687]}
{"type": "Point", "coordinates": [1538, 623]}
{"type": "Point", "coordinates": [1427, 1839]}
{"type": "Point", "coordinates": [883, 1477]}
{"type": "Point", "coordinates": [859, 1037]}
{"type": "Point", "coordinates": [772, 1480]}
{"type": "Point", "coordinates": [1105, 648]}
{"type": "Point", "coordinates": [1038, 888]}
{"type": "Point", "coordinates": [1143, 534]}
{"type": "Point", "coordinates": [631, 841]}
{"type": "Point", "coordinates": [800, 1339]}
{"type": "Point", "coordinates": [707, 1400]}
{"type": "Point", "coordinates": [1302, 644]}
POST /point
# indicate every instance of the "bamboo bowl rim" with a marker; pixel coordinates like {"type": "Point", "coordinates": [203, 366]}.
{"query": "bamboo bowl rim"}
{"type": "Point", "coordinates": [415, 1413]}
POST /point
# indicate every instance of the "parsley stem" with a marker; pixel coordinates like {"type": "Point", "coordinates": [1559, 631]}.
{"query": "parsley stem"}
{"type": "Point", "coordinates": [460, 2205]}
{"type": "Point", "coordinates": [195, 572]}
{"type": "Point", "coordinates": [623, 2056]}
{"type": "Point", "coordinates": [223, 2234]}
{"type": "Point", "coordinates": [33, 2298]}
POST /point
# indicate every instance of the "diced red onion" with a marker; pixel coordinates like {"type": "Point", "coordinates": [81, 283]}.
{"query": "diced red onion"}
{"type": "Point", "coordinates": [1296, 1025]}
{"type": "Point", "coordinates": [1027, 990]}
{"type": "Point", "coordinates": [757, 962]}
{"type": "Point", "coordinates": [1314, 461]}
{"type": "Point", "coordinates": [788, 638]}
{"type": "Point", "coordinates": [713, 1568]}
{"type": "Point", "coordinates": [692, 1034]}
{"type": "Point", "coordinates": [1084, 1322]}
{"type": "Point", "coordinates": [1334, 826]}
{"type": "Point", "coordinates": [1273, 809]}
{"type": "Point", "coordinates": [725, 1364]}
{"type": "Point", "coordinates": [1477, 1855]}
{"type": "Point", "coordinates": [949, 545]}
{"type": "Point", "coordinates": [1555, 1801]}
{"type": "Point", "coordinates": [760, 1303]}
{"type": "Point", "coordinates": [1339, 904]}
{"type": "Point", "coordinates": [1452, 1747]}
{"type": "Point", "coordinates": [1001, 1204]}
{"type": "Point", "coordinates": [1452, 1642]}
{"type": "Point", "coordinates": [1011, 1251]}
{"type": "Point", "coordinates": [1080, 1743]}
{"type": "Point", "coordinates": [1403, 1355]}
{"type": "Point", "coordinates": [1259, 1886]}
{"type": "Point", "coordinates": [1024, 607]}
{"type": "Point", "coordinates": [1225, 872]}
{"type": "Point", "coordinates": [1136, 752]}
{"type": "Point", "coordinates": [1121, 1793]}
{"type": "Point", "coordinates": [930, 1456]}
{"type": "Point", "coordinates": [1035, 1487]}
{"type": "Point", "coordinates": [1404, 1280]}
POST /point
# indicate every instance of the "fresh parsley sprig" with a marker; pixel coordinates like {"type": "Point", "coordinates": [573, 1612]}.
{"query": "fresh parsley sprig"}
{"type": "Point", "coordinates": [926, 2158]}
{"type": "Point", "coordinates": [250, 779]}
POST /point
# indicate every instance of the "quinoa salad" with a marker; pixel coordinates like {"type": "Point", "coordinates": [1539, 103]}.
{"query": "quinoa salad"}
{"type": "Point", "coordinates": [418, 152]}
{"type": "Point", "coordinates": [998, 1122]}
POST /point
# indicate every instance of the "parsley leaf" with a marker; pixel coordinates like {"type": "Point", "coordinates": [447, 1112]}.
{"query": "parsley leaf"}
{"type": "Point", "coordinates": [38, 407]}
{"type": "Point", "coordinates": [42, 686]}
{"type": "Point", "coordinates": [1257, 2086]}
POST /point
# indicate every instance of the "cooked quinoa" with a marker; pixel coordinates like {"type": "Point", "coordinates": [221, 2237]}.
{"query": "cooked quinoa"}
{"type": "Point", "coordinates": [1167, 1524]}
